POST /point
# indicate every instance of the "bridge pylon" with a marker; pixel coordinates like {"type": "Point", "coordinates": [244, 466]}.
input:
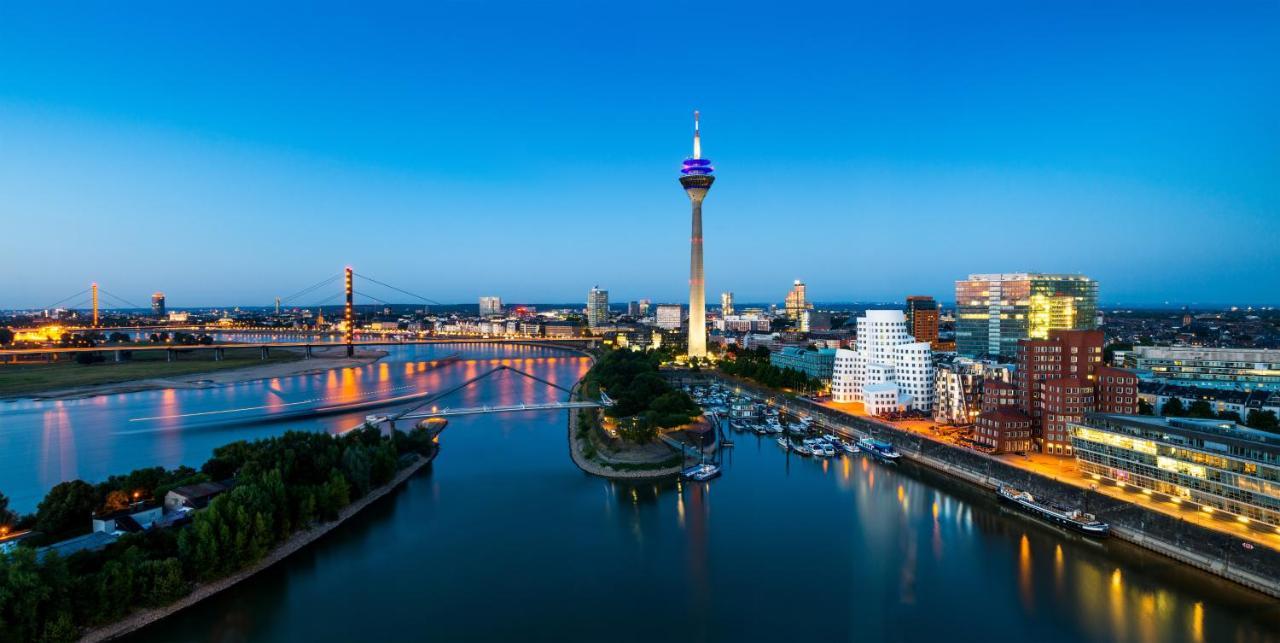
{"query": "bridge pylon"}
{"type": "Point", "coordinates": [349, 315]}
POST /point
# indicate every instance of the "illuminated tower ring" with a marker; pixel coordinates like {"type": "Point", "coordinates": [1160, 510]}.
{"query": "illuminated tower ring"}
{"type": "Point", "coordinates": [696, 177]}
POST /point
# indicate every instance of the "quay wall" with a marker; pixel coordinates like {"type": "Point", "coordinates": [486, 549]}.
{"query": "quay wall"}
{"type": "Point", "coordinates": [1212, 551]}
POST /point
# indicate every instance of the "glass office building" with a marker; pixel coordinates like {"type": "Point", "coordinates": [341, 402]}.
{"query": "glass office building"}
{"type": "Point", "coordinates": [994, 311]}
{"type": "Point", "coordinates": [1218, 465]}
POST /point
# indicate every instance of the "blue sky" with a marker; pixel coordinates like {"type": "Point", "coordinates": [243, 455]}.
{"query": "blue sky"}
{"type": "Point", "coordinates": [227, 154]}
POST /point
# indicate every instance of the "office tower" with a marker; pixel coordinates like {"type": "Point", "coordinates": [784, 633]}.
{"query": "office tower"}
{"type": "Point", "coordinates": [157, 305]}
{"type": "Point", "coordinates": [994, 311]}
{"type": "Point", "coordinates": [922, 318]}
{"type": "Point", "coordinates": [726, 304]}
{"type": "Point", "coordinates": [597, 307]}
{"type": "Point", "coordinates": [795, 303]}
{"type": "Point", "coordinates": [490, 306]}
{"type": "Point", "coordinates": [633, 309]}
{"type": "Point", "coordinates": [889, 371]}
{"type": "Point", "coordinates": [644, 307]}
{"type": "Point", "coordinates": [696, 177]}
{"type": "Point", "coordinates": [668, 316]}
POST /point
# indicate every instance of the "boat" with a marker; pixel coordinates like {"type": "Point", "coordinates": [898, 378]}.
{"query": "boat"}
{"type": "Point", "coordinates": [1072, 519]}
{"type": "Point", "coordinates": [802, 449]}
{"type": "Point", "coordinates": [850, 447]}
{"type": "Point", "coordinates": [700, 472]}
{"type": "Point", "coordinates": [784, 443]}
{"type": "Point", "coordinates": [881, 450]}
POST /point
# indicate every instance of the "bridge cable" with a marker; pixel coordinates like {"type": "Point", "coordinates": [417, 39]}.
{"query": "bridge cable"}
{"type": "Point", "coordinates": [400, 290]}
{"type": "Point", "coordinates": [320, 284]}
{"type": "Point", "coordinates": [55, 304]}
{"type": "Point", "coordinates": [119, 298]}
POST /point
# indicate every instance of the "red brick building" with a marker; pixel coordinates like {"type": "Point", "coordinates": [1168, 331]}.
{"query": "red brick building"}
{"type": "Point", "coordinates": [922, 319]}
{"type": "Point", "coordinates": [1061, 378]}
{"type": "Point", "coordinates": [1004, 430]}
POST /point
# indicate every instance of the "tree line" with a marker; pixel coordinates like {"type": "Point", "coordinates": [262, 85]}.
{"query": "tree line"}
{"type": "Point", "coordinates": [282, 485]}
{"type": "Point", "coordinates": [643, 400]}
{"type": "Point", "coordinates": [755, 365]}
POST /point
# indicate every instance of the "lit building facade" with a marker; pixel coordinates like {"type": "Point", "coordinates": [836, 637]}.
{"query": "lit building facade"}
{"type": "Point", "coordinates": [796, 304]}
{"type": "Point", "coordinates": [922, 319]}
{"type": "Point", "coordinates": [597, 307]}
{"type": "Point", "coordinates": [994, 311]}
{"type": "Point", "coordinates": [1061, 378]}
{"type": "Point", "coordinates": [157, 305]}
{"type": "Point", "coordinates": [958, 387]}
{"type": "Point", "coordinates": [1233, 368]}
{"type": "Point", "coordinates": [1218, 465]}
{"type": "Point", "coordinates": [889, 371]}
{"type": "Point", "coordinates": [817, 364]}
{"type": "Point", "coordinates": [726, 304]}
{"type": "Point", "coordinates": [669, 316]}
{"type": "Point", "coordinates": [490, 306]}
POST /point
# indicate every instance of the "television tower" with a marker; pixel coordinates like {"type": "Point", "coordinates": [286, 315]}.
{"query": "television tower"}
{"type": "Point", "coordinates": [696, 177]}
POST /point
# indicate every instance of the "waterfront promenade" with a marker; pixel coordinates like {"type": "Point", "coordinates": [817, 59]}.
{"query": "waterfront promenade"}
{"type": "Point", "coordinates": [1221, 552]}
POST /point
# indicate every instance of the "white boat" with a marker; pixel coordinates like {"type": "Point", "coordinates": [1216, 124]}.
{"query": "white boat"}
{"type": "Point", "coordinates": [784, 443]}
{"type": "Point", "coordinates": [700, 472]}
{"type": "Point", "coordinates": [802, 449]}
{"type": "Point", "coordinates": [883, 451]}
{"type": "Point", "coordinates": [850, 448]}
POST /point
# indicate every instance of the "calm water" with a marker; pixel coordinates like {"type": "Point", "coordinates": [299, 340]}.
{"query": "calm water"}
{"type": "Point", "coordinates": [505, 540]}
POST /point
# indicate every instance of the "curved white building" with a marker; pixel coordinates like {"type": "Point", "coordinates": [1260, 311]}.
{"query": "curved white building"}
{"type": "Point", "coordinates": [889, 370]}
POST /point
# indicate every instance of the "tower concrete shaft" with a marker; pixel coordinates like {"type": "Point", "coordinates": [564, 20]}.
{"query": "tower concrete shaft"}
{"type": "Point", "coordinates": [95, 304]}
{"type": "Point", "coordinates": [696, 178]}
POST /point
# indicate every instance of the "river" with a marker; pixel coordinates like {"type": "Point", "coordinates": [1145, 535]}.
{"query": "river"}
{"type": "Point", "coordinates": [504, 539]}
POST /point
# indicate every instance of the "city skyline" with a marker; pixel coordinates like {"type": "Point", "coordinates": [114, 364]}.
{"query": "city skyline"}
{"type": "Point", "coordinates": [1139, 130]}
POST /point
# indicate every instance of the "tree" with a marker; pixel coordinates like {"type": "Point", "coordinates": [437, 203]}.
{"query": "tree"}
{"type": "Point", "coordinates": [6, 336]}
{"type": "Point", "coordinates": [1200, 409]}
{"type": "Point", "coordinates": [1229, 415]}
{"type": "Point", "coordinates": [1173, 408]}
{"type": "Point", "coordinates": [7, 517]}
{"type": "Point", "coordinates": [1145, 408]}
{"type": "Point", "coordinates": [67, 509]}
{"type": "Point", "coordinates": [1265, 420]}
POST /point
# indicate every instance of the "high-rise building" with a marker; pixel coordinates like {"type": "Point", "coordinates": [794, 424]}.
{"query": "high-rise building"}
{"type": "Point", "coordinates": [994, 311]}
{"type": "Point", "coordinates": [696, 177]}
{"type": "Point", "coordinates": [644, 307]}
{"type": "Point", "coordinates": [889, 371]}
{"type": "Point", "coordinates": [157, 305]}
{"type": "Point", "coordinates": [795, 303]}
{"type": "Point", "coordinates": [669, 316]}
{"type": "Point", "coordinates": [597, 307]}
{"type": "Point", "coordinates": [1061, 378]}
{"type": "Point", "coordinates": [922, 319]}
{"type": "Point", "coordinates": [490, 306]}
{"type": "Point", "coordinates": [726, 304]}
{"type": "Point", "coordinates": [633, 309]}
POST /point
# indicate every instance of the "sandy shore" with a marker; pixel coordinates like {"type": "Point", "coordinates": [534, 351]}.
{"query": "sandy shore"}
{"type": "Point", "coordinates": [323, 359]}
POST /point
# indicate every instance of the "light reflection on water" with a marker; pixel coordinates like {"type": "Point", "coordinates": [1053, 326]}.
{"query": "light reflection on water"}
{"type": "Point", "coordinates": [779, 547]}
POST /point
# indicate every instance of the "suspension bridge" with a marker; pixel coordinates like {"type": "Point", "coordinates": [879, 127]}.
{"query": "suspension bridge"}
{"type": "Point", "coordinates": [92, 301]}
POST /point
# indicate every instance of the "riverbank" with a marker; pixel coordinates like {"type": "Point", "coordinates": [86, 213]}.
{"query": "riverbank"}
{"type": "Point", "coordinates": [1254, 567]}
{"type": "Point", "coordinates": [193, 375]}
{"type": "Point", "coordinates": [296, 542]}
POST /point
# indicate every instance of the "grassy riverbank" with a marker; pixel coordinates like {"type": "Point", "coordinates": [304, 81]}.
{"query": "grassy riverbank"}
{"type": "Point", "coordinates": [34, 378]}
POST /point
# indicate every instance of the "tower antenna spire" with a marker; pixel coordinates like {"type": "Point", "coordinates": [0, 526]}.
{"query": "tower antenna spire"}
{"type": "Point", "coordinates": [697, 138]}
